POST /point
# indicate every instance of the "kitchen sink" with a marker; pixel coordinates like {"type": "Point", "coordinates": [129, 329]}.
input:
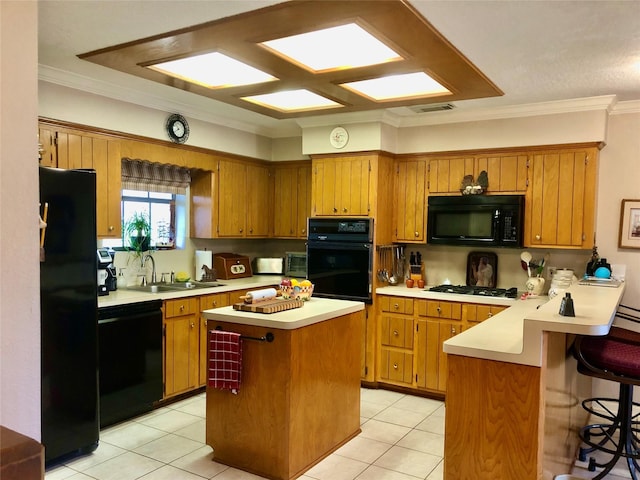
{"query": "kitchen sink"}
{"type": "Point", "coordinates": [173, 287]}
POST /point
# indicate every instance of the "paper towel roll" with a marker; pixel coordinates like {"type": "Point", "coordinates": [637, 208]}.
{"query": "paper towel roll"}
{"type": "Point", "coordinates": [203, 257]}
{"type": "Point", "coordinates": [260, 295]}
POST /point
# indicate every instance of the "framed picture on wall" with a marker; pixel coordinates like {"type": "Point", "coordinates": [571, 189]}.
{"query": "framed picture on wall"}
{"type": "Point", "coordinates": [629, 224]}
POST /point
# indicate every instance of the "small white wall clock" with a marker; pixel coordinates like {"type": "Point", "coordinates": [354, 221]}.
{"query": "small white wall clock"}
{"type": "Point", "coordinates": [339, 137]}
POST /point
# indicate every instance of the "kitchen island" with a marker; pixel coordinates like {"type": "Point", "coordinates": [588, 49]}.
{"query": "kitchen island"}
{"type": "Point", "coordinates": [513, 404]}
{"type": "Point", "coordinates": [299, 399]}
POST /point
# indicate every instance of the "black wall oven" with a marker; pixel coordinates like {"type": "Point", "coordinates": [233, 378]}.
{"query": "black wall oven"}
{"type": "Point", "coordinates": [340, 258]}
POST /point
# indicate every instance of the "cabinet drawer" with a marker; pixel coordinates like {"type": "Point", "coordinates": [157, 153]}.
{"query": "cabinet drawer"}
{"type": "Point", "coordinates": [479, 313]}
{"type": "Point", "coordinates": [215, 300]}
{"type": "Point", "coordinates": [396, 366]}
{"type": "Point", "coordinates": [397, 305]}
{"type": "Point", "coordinates": [436, 309]}
{"type": "Point", "coordinates": [397, 332]}
{"type": "Point", "coordinates": [180, 306]}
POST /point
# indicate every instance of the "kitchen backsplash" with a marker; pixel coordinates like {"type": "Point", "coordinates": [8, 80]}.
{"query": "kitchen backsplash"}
{"type": "Point", "coordinates": [442, 263]}
{"type": "Point", "coordinates": [184, 259]}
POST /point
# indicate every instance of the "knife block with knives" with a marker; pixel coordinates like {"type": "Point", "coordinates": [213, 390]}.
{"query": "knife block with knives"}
{"type": "Point", "coordinates": [415, 266]}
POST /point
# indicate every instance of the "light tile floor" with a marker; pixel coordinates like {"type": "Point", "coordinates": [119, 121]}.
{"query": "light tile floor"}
{"type": "Point", "coordinates": [402, 439]}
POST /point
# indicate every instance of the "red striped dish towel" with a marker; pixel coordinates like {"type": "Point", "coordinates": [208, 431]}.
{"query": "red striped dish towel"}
{"type": "Point", "coordinates": [225, 360]}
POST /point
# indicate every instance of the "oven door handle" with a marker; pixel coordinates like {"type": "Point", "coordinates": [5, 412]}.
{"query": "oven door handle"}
{"type": "Point", "coordinates": [338, 246]}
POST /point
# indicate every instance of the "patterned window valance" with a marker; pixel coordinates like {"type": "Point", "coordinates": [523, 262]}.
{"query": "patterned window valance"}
{"type": "Point", "coordinates": [154, 177]}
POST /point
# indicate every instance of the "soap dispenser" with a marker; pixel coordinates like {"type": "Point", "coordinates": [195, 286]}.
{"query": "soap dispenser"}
{"type": "Point", "coordinates": [122, 280]}
{"type": "Point", "coordinates": [566, 306]}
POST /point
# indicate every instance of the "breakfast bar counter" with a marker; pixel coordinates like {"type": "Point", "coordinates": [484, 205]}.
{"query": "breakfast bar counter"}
{"type": "Point", "coordinates": [513, 392]}
{"type": "Point", "coordinates": [299, 397]}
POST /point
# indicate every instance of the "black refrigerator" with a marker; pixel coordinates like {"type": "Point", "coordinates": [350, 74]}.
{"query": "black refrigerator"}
{"type": "Point", "coordinates": [68, 304]}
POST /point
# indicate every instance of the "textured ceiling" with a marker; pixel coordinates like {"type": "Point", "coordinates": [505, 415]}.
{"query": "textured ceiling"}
{"type": "Point", "coordinates": [534, 51]}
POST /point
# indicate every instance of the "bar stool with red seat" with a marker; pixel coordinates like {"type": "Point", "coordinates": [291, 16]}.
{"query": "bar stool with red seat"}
{"type": "Point", "coordinates": [614, 357]}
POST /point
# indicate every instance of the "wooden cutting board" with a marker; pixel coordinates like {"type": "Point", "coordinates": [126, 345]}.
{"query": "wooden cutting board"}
{"type": "Point", "coordinates": [272, 306]}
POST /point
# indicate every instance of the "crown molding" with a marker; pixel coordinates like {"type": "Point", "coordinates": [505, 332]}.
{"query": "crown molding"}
{"type": "Point", "coordinates": [603, 102]}
{"type": "Point", "coordinates": [631, 106]}
{"type": "Point", "coordinates": [293, 127]}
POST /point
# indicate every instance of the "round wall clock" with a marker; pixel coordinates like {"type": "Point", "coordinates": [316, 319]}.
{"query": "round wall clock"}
{"type": "Point", "coordinates": [339, 137]}
{"type": "Point", "coordinates": [177, 128]}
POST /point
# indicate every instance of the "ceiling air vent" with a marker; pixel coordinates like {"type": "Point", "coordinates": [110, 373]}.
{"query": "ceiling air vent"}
{"type": "Point", "coordinates": [434, 107]}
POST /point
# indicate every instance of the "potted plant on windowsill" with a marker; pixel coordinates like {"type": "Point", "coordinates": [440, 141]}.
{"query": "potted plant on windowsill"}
{"type": "Point", "coordinates": [136, 233]}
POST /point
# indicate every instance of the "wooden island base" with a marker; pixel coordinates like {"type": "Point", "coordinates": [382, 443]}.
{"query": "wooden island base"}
{"type": "Point", "coordinates": [298, 402]}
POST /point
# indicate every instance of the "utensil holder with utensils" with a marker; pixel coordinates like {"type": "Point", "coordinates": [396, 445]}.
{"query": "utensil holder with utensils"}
{"type": "Point", "coordinates": [391, 264]}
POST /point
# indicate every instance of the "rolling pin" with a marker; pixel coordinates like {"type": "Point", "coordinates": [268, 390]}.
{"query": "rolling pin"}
{"type": "Point", "coordinates": [260, 295]}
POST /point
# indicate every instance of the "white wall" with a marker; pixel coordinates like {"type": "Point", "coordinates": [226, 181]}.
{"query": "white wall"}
{"type": "Point", "coordinates": [72, 105]}
{"type": "Point", "coordinates": [19, 247]}
{"type": "Point", "coordinates": [619, 178]}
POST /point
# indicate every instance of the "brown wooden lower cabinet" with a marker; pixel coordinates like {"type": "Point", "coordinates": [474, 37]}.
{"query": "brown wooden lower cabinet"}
{"type": "Point", "coordinates": [181, 332]}
{"type": "Point", "coordinates": [411, 333]}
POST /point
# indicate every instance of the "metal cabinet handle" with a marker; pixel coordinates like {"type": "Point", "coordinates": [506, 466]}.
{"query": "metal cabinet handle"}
{"type": "Point", "coordinates": [304, 230]}
{"type": "Point", "coordinates": [241, 230]}
{"type": "Point", "coordinates": [439, 310]}
{"type": "Point", "coordinates": [490, 315]}
{"type": "Point", "coordinates": [395, 332]}
{"type": "Point", "coordinates": [251, 230]}
{"type": "Point", "coordinates": [395, 366]}
{"type": "Point", "coordinates": [192, 325]}
{"type": "Point", "coordinates": [335, 210]}
{"type": "Point", "coordinates": [537, 237]}
{"type": "Point", "coordinates": [344, 209]}
{"type": "Point", "coordinates": [396, 306]}
{"type": "Point", "coordinates": [453, 330]}
{"type": "Point", "coordinates": [416, 234]}
{"type": "Point", "coordinates": [111, 228]}
{"type": "Point", "coordinates": [182, 308]}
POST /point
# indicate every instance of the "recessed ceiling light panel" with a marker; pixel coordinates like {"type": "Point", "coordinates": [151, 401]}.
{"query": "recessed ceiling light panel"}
{"type": "Point", "coordinates": [213, 70]}
{"type": "Point", "coordinates": [292, 101]}
{"type": "Point", "coordinates": [342, 47]}
{"type": "Point", "coordinates": [394, 87]}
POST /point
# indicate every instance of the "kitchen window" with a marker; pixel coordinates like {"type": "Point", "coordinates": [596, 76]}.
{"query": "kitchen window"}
{"type": "Point", "coordinates": [159, 208]}
{"type": "Point", "coordinates": [159, 192]}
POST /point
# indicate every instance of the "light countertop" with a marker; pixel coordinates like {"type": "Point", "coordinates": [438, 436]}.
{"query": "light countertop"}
{"type": "Point", "coordinates": [123, 296]}
{"type": "Point", "coordinates": [516, 334]}
{"type": "Point", "coordinates": [314, 310]}
{"type": "Point", "coordinates": [403, 291]}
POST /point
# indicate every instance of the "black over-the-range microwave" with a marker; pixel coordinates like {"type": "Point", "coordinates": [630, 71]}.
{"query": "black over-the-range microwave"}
{"type": "Point", "coordinates": [477, 220]}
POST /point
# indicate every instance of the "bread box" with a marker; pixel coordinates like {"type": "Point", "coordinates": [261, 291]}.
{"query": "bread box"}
{"type": "Point", "coordinates": [231, 265]}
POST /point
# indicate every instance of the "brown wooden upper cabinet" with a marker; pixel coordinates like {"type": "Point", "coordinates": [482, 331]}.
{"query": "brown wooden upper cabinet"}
{"type": "Point", "coordinates": [560, 202]}
{"type": "Point", "coordinates": [292, 200]}
{"type": "Point", "coordinates": [231, 201]}
{"type": "Point", "coordinates": [71, 149]}
{"type": "Point", "coordinates": [409, 214]}
{"type": "Point", "coordinates": [341, 186]}
{"type": "Point", "coordinates": [507, 173]}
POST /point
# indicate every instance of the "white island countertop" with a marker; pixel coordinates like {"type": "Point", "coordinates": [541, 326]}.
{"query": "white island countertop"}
{"type": "Point", "coordinates": [516, 334]}
{"type": "Point", "coordinates": [314, 310]}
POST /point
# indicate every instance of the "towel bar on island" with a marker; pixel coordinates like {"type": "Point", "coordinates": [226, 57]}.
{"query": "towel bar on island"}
{"type": "Point", "coordinates": [269, 337]}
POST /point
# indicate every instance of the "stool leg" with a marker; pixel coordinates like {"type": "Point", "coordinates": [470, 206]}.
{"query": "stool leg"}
{"type": "Point", "coordinates": [625, 445]}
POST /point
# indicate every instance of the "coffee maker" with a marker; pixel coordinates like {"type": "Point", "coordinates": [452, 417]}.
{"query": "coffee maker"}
{"type": "Point", "coordinates": [107, 281]}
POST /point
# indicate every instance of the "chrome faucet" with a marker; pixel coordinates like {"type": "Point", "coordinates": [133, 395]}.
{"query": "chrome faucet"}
{"type": "Point", "coordinates": [153, 267]}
